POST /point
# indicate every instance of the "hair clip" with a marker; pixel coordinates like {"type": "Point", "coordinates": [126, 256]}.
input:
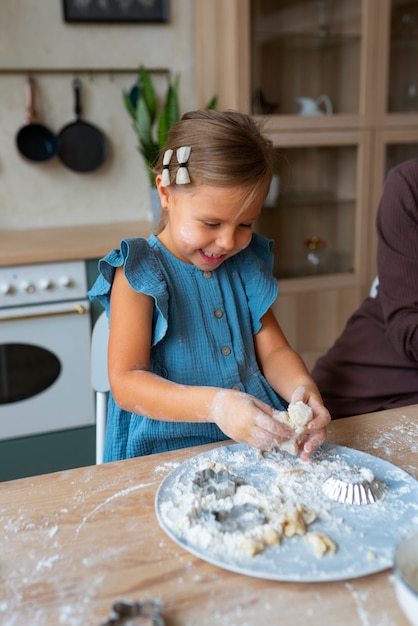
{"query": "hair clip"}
{"type": "Point", "coordinates": [182, 177]}
{"type": "Point", "coordinates": [165, 179]}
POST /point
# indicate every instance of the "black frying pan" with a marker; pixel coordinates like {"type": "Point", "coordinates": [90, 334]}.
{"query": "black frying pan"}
{"type": "Point", "coordinates": [35, 141]}
{"type": "Point", "coordinates": [83, 147]}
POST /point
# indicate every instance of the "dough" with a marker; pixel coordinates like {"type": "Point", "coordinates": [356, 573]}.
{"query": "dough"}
{"type": "Point", "coordinates": [321, 544]}
{"type": "Point", "coordinates": [297, 416]}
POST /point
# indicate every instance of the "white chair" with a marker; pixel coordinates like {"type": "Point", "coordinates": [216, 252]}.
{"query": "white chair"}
{"type": "Point", "coordinates": [99, 380]}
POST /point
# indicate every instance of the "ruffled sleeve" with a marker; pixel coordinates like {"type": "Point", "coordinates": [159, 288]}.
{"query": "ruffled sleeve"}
{"type": "Point", "coordinates": [142, 270]}
{"type": "Point", "coordinates": [256, 269]}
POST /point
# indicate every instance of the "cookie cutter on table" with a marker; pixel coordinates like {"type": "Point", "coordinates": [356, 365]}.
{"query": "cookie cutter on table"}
{"type": "Point", "coordinates": [221, 483]}
{"type": "Point", "coordinates": [125, 613]}
{"type": "Point", "coordinates": [354, 488]}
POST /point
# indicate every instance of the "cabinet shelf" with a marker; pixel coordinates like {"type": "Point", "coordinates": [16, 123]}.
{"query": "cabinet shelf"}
{"type": "Point", "coordinates": [313, 200]}
{"type": "Point", "coordinates": [310, 41]}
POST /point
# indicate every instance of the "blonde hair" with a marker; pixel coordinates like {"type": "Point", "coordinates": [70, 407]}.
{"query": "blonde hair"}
{"type": "Point", "coordinates": [228, 149]}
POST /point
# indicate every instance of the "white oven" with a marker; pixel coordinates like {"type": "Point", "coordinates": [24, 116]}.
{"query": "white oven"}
{"type": "Point", "coordinates": [45, 333]}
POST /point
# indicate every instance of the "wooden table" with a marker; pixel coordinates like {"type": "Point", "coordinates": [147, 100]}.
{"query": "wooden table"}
{"type": "Point", "coordinates": [73, 543]}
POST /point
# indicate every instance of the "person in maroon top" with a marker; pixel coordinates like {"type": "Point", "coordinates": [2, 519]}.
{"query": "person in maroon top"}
{"type": "Point", "coordinates": [373, 365]}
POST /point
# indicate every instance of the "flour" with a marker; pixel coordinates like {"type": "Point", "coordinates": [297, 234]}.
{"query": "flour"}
{"type": "Point", "coordinates": [286, 506]}
{"type": "Point", "coordinates": [279, 523]}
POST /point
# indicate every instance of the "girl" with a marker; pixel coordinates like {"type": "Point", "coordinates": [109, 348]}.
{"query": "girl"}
{"type": "Point", "coordinates": [195, 353]}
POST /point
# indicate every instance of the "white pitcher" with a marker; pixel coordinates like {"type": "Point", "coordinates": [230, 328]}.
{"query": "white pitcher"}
{"type": "Point", "coordinates": [309, 106]}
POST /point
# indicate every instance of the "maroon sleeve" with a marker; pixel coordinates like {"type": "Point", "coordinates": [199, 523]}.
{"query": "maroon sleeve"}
{"type": "Point", "coordinates": [397, 258]}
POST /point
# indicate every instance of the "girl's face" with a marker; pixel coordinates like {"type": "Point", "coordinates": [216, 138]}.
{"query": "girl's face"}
{"type": "Point", "coordinates": [206, 225]}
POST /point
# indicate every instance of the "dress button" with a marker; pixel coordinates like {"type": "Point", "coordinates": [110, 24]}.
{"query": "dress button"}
{"type": "Point", "coordinates": [218, 313]}
{"type": "Point", "coordinates": [236, 388]}
{"type": "Point", "coordinates": [225, 351]}
{"type": "Point", "coordinates": [207, 274]}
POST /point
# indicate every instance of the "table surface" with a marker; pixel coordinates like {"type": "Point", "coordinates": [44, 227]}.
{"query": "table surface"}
{"type": "Point", "coordinates": [75, 542]}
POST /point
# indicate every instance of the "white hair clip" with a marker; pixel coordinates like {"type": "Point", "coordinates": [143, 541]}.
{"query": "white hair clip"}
{"type": "Point", "coordinates": [165, 179]}
{"type": "Point", "coordinates": [182, 177]}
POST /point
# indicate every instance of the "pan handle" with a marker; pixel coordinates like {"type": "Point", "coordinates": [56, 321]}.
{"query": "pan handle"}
{"type": "Point", "coordinates": [77, 98]}
{"type": "Point", "coordinates": [31, 115]}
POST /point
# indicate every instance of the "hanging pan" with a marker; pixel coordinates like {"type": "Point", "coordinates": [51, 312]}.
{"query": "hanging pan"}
{"type": "Point", "coordinates": [35, 141]}
{"type": "Point", "coordinates": [83, 147]}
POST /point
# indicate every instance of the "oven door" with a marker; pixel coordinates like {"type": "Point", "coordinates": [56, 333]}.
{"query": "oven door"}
{"type": "Point", "coordinates": [45, 369]}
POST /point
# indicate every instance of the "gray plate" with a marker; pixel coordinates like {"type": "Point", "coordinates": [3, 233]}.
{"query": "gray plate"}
{"type": "Point", "coordinates": [366, 535]}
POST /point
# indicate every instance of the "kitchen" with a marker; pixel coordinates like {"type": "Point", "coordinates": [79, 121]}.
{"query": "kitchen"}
{"type": "Point", "coordinates": [337, 161]}
{"type": "Point", "coordinates": [52, 213]}
{"type": "Point", "coordinates": [76, 542]}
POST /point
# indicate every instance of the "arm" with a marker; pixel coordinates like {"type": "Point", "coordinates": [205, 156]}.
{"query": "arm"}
{"type": "Point", "coordinates": [289, 377]}
{"type": "Point", "coordinates": [137, 390]}
{"type": "Point", "coordinates": [397, 258]}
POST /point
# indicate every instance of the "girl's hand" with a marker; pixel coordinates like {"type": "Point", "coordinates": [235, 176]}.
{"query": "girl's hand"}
{"type": "Point", "coordinates": [246, 419]}
{"type": "Point", "coordinates": [316, 431]}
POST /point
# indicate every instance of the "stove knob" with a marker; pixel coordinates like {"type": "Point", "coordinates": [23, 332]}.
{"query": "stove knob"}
{"type": "Point", "coordinates": [28, 287]}
{"type": "Point", "coordinates": [66, 282]}
{"type": "Point", "coordinates": [7, 289]}
{"type": "Point", "coordinates": [46, 284]}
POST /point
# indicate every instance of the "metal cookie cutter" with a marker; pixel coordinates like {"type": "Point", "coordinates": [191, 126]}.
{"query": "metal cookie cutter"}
{"type": "Point", "coordinates": [125, 613]}
{"type": "Point", "coordinates": [355, 488]}
{"type": "Point", "coordinates": [241, 517]}
{"type": "Point", "coordinates": [221, 483]}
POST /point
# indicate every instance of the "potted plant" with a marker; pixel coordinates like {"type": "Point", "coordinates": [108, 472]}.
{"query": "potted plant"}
{"type": "Point", "coordinates": [152, 122]}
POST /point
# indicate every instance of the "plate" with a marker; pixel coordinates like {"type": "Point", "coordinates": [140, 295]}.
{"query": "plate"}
{"type": "Point", "coordinates": [365, 535]}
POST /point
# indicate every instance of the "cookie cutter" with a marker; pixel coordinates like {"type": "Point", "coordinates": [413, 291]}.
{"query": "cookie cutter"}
{"type": "Point", "coordinates": [221, 483]}
{"type": "Point", "coordinates": [240, 517]}
{"type": "Point", "coordinates": [126, 613]}
{"type": "Point", "coordinates": [353, 488]}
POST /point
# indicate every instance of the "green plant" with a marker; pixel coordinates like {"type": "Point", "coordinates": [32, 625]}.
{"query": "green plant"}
{"type": "Point", "coordinates": [151, 122]}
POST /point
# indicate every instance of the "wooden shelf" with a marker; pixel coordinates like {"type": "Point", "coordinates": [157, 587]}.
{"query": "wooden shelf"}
{"type": "Point", "coordinates": [79, 70]}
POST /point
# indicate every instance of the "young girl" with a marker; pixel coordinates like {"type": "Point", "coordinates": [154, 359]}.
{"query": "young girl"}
{"type": "Point", "coordinates": [195, 353]}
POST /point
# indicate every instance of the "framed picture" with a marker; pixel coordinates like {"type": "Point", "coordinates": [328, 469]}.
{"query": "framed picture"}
{"type": "Point", "coordinates": [115, 10]}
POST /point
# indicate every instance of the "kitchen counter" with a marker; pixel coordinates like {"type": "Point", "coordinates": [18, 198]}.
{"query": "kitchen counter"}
{"type": "Point", "coordinates": [70, 243]}
{"type": "Point", "coordinates": [75, 542]}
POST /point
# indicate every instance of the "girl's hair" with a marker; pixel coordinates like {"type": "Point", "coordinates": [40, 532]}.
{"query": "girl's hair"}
{"type": "Point", "coordinates": [228, 149]}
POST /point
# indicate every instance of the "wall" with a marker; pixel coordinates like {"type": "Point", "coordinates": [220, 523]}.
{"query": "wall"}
{"type": "Point", "coordinates": [34, 36]}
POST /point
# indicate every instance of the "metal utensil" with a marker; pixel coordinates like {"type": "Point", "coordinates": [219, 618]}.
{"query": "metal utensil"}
{"type": "Point", "coordinates": [355, 487]}
{"type": "Point", "coordinates": [83, 147]}
{"type": "Point", "coordinates": [34, 140]}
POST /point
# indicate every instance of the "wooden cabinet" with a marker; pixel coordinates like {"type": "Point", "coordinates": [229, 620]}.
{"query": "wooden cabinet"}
{"type": "Point", "coordinates": [262, 57]}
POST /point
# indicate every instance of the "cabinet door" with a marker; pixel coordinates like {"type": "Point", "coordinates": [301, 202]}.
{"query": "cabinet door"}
{"type": "Point", "coordinates": [313, 212]}
{"type": "Point", "coordinates": [403, 56]}
{"type": "Point", "coordinates": [315, 218]}
{"type": "Point", "coordinates": [260, 56]}
{"type": "Point", "coordinates": [306, 56]}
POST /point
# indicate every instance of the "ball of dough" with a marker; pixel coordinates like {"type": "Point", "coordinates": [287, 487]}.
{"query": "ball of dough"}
{"type": "Point", "coordinates": [297, 416]}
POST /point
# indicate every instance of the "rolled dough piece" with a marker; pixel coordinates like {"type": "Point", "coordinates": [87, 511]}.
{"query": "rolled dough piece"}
{"type": "Point", "coordinates": [297, 416]}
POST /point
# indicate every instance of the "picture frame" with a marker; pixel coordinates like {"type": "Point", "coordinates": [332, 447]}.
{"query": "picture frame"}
{"type": "Point", "coordinates": [128, 11]}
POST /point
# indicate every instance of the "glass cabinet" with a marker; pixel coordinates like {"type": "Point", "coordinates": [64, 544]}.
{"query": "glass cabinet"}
{"type": "Point", "coordinates": [403, 56]}
{"type": "Point", "coordinates": [311, 210]}
{"type": "Point", "coordinates": [305, 56]}
{"type": "Point", "coordinates": [335, 84]}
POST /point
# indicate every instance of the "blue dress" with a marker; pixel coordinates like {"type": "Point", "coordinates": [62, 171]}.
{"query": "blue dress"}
{"type": "Point", "coordinates": [203, 329]}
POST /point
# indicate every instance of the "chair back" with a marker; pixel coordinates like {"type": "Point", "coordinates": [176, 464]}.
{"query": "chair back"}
{"type": "Point", "coordinates": [100, 380]}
